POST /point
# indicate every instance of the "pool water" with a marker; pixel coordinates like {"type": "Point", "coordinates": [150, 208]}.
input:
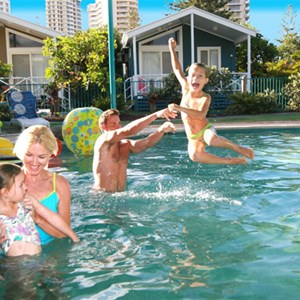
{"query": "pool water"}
{"type": "Point", "coordinates": [181, 230]}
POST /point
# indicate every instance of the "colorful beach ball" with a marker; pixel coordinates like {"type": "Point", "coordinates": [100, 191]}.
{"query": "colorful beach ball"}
{"type": "Point", "coordinates": [80, 130]}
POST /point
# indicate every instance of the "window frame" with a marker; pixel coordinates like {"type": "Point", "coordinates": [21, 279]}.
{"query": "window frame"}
{"type": "Point", "coordinates": [23, 50]}
{"type": "Point", "coordinates": [160, 49]}
{"type": "Point", "coordinates": [208, 49]}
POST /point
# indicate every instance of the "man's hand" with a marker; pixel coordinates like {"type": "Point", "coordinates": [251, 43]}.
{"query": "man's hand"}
{"type": "Point", "coordinates": [167, 127]}
{"type": "Point", "coordinates": [172, 43]}
{"type": "Point", "coordinates": [165, 113]}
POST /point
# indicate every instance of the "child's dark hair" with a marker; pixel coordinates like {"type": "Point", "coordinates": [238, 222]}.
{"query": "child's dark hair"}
{"type": "Point", "coordinates": [8, 173]}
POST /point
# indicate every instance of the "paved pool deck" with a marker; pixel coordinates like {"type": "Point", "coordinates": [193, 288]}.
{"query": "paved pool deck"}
{"type": "Point", "coordinates": [222, 126]}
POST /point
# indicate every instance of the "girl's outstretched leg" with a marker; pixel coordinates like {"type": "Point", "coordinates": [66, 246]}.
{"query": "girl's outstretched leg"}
{"type": "Point", "coordinates": [198, 154]}
{"type": "Point", "coordinates": [214, 140]}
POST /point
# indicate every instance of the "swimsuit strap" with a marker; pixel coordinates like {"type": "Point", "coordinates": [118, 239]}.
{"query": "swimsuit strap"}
{"type": "Point", "coordinates": [54, 182]}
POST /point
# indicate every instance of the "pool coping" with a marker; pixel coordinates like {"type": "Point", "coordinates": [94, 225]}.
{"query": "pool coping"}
{"type": "Point", "coordinates": [235, 125]}
{"type": "Point", "coordinates": [223, 126]}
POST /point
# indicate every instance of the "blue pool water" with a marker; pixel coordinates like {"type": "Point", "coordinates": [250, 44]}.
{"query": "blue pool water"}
{"type": "Point", "coordinates": [181, 230]}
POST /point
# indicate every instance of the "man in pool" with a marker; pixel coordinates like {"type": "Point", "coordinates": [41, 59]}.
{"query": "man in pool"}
{"type": "Point", "coordinates": [112, 148]}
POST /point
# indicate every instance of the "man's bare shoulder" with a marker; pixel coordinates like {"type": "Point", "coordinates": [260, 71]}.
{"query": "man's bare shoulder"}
{"type": "Point", "coordinates": [104, 140]}
{"type": "Point", "coordinates": [101, 140]}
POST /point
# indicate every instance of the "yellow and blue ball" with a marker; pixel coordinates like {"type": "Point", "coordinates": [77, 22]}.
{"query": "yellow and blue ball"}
{"type": "Point", "coordinates": [80, 130]}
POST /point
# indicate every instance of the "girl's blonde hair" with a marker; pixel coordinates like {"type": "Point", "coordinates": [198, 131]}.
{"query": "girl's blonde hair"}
{"type": "Point", "coordinates": [8, 173]}
{"type": "Point", "coordinates": [36, 134]}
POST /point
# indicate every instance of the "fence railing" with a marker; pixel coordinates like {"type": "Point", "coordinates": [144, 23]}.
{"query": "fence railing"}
{"type": "Point", "coordinates": [136, 92]}
{"type": "Point", "coordinates": [68, 98]}
{"type": "Point", "coordinates": [277, 84]}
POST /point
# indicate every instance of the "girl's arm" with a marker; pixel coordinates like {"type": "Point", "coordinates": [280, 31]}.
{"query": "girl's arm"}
{"type": "Point", "coordinates": [194, 113]}
{"type": "Point", "coordinates": [53, 218]}
{"type": "Point", "coordinates": [177, 69]}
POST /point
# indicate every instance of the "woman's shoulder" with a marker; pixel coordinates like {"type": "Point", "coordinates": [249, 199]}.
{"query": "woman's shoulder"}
{"type": "Point", "coordinates": [60, 179]}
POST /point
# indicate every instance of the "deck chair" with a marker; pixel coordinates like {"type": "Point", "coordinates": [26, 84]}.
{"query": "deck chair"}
{"type": "Point", "coordinates": [23, 107]}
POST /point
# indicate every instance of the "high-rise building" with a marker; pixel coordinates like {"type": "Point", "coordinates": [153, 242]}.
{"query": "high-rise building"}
{"type": "Point", "coordinates": [64, 15]}
{"type": "Point", "coordinates": [5, 6]}
{"type": "Point", "coordinates": [123, 12]}
{"type": "Point", "coordinates": [240, 9]}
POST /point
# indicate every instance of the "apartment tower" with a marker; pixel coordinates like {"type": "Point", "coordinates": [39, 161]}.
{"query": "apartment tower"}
{"type": "Point", "coordinates": [64, 15]}
{"type": "Point", "coordinates": [5, 6]}
{"type": "Point", "coordinates": [122, 10]}
{"type": "Point", "coordinates": [240, 9]}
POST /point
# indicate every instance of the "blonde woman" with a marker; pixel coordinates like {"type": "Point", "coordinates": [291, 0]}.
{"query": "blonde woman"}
{"type": "Point", "coordinates": [35, 146]}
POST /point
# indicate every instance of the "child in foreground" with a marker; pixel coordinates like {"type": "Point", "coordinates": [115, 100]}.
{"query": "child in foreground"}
{"type": "Point", "coordinates": [194, 107]}
{"type": "Point", "coordinates": [16, 210]}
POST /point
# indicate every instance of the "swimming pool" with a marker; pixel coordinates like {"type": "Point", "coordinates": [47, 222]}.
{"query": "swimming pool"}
{"type": "Point", "coordinates": [181, 230]}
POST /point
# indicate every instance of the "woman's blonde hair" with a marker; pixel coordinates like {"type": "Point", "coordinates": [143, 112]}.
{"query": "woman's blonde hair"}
{"type": "Point", "coordinates": [36, 134]}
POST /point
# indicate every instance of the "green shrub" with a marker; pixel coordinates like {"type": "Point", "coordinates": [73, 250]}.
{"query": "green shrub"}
{"type": "Point", "coordinates": [5, 69]}
{"type": "Point", "coordinates": [292, 92]}
{"type": "Point", "coordinates": [5, 113]}
{"type": "Point", "coordinates": [245, 103]}
{"type": "Point", "coordinates": [219, 80]}
{"type": "Point", "coordinates": [101, 102]}
{"type": "Point", "coordinates": [171, 89]}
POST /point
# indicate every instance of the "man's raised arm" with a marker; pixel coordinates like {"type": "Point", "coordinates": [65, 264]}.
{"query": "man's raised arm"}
{"type": "Point", "coordinates": [138, 125]}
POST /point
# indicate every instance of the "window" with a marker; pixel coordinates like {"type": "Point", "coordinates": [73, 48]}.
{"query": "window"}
{"type": "Point", "coordinates": [151, 63]}
{"type": "Point", "coordinates": [17, 41]}
{"type": "Point", "coordinates": [210, 56]}
{"type": "Point", "coordinates": [25, 54]}
{"type": "Point", "coordinates": [29, 65]}
{"type": "Point", "coordinates": [155, 56]}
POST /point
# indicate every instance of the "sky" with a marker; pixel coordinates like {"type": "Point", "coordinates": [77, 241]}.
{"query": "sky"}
{"type": "Point", "coordinates": [265, 15]}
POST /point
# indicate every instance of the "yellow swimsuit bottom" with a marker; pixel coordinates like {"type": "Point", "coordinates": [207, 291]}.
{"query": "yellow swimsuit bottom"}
{"type": "Point", "coordinates": [199, 134]}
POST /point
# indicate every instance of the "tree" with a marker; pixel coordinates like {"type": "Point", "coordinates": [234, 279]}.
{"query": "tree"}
{"type": "Point", "coordinates": [133, 19]}
{"type": "Point", "coordinates": [262, 52]}
{"type": "Point", "coordinates": [81, 59]}
{"type": "Point", "coordinates": [288, 62]}
{"type": "Point", "coordinates": [290, 40]}
{"type": "Point", "coordinates": [217, 7]}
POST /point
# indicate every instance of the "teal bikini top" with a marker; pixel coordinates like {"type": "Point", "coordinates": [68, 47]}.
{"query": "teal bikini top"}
{"type": "Point", "coordinates": [51, 202]}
